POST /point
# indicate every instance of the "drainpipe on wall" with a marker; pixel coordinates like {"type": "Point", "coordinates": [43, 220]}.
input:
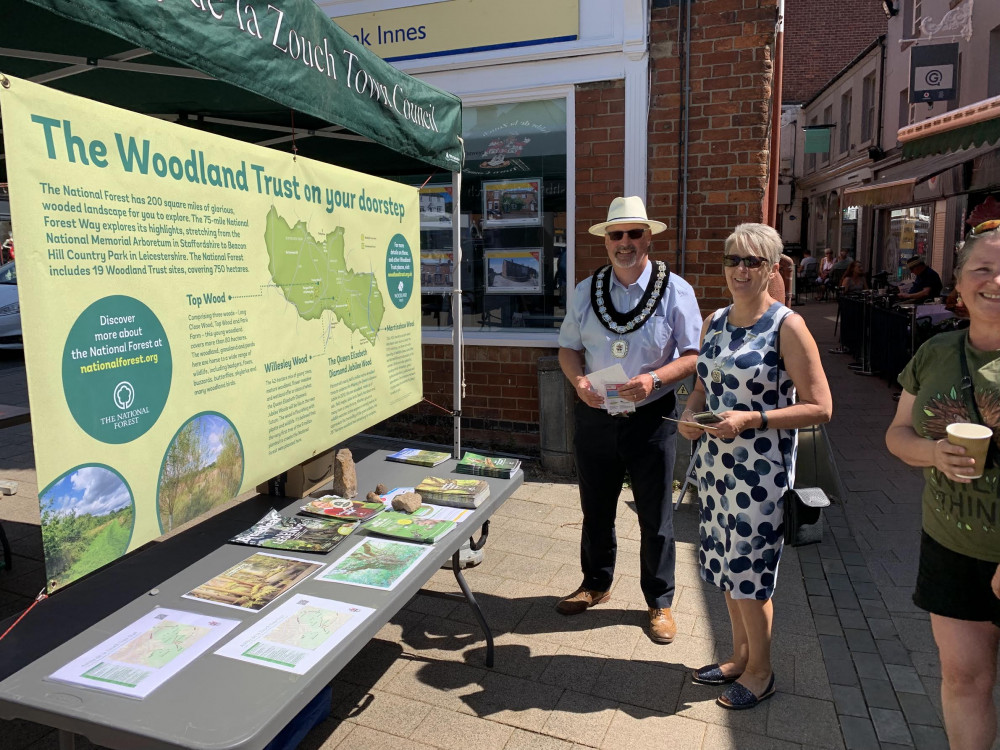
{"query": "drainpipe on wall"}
{"type": "Point", "coordinates": [774, 160]}
{"type": "Point", "coordinates": [685, 22]}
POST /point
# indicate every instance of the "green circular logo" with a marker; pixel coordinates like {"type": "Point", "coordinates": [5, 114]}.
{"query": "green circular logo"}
{"type": "Point", "coordinates": [399, 271]}
{"type": "Point", "coordinates": [116, 369]}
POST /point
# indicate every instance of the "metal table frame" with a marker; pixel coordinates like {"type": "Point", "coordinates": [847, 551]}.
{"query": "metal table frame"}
{"type": "Point", "coordinates": [215, 702]}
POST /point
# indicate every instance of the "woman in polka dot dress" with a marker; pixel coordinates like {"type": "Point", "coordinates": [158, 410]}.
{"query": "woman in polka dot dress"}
{"type": "Point", "coordinates": [740, 464]}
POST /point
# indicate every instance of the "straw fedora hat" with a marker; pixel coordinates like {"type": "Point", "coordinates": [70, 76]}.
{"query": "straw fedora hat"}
{"type": "Point", "coordinates": [629, 210]}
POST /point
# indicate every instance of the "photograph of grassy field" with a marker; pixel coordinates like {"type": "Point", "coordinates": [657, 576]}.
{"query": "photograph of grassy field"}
{"type": "Point", "coordinates": [203, 468]}
{"type": "Point", "coordinates": [87, 520]}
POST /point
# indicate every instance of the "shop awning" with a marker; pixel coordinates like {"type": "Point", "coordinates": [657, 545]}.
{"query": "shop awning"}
{"type": "Point", "coordinates": [981, 133]}
{"type": "Point", "coordinates": [881, 193]}
{"type": "Point", "coordinates": [895, 185]}
{"type": "Point", "coordinates": [976, 124]}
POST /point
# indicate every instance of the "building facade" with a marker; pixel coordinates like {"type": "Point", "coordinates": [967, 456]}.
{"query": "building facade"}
{"type": "Point", "coordinates": [664, 99]}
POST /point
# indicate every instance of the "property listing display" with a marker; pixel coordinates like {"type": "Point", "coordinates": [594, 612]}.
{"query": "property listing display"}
{"type": "Point", "coordinates": [199, 315]}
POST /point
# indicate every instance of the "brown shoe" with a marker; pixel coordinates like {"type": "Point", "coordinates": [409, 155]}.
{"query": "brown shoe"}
{"type": "Point", "coordinates": [580, 600]}
{"type": "Point", "coordinates": [662, 628]}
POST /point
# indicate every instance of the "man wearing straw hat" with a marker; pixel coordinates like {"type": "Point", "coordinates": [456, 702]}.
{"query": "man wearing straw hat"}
{"type": "Point", "coordinates": [926, 282]}
{"type": "Point", "coordinates": [637, 314]}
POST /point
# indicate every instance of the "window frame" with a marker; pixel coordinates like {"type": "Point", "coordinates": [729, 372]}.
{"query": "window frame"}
{"type": "Point", "coordinates": [526, 337]}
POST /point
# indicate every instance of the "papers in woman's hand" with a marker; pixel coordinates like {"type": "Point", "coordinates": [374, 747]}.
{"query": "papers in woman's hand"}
{"type": "Point", "coordinates": [691, 424]}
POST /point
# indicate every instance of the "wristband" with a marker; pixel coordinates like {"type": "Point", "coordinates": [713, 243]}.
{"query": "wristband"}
{"type": "Point", "coordinates": [763, 419]}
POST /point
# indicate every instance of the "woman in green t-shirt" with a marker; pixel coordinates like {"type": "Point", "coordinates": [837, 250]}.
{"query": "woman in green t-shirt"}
{"type": "Point", "coordinates": [955, 377]}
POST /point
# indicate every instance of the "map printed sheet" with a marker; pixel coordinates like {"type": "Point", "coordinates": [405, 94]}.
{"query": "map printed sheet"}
{"type": "Point", "coordinates": [137, 660]}
{"type": "Point", "coordinates": [297, 635]}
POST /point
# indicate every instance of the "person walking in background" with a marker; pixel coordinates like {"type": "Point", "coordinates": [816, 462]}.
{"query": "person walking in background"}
{"type": "Point", "coordinates": [955, 377]}
{"type": "Point", "coordinates": [748, 376]}
{"type": "Point", "coordinates": [637, 314]}
{"type": "Point", "coordinates": [926, 282]}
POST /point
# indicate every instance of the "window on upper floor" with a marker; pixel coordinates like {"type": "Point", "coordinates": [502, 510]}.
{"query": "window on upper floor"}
{"type": "Point", "coordinates": [846, 102]}
{"type": "Point", "coordinates": [868, 107]}
{"type": "Point", "coordinates": [904, 108]}
{"type": "Point", "coordinates": [824, 158]}
{"type": "Point", "coordinates": [811, 158]}
{"type": "Point", "coordinates": [993, 75]}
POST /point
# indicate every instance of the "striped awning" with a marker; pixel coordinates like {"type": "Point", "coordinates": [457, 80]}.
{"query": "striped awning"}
{"type": "Point", "coordinates": [887, 193]}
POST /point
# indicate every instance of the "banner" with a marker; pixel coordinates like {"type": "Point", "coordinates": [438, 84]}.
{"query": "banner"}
{"type": "Point", "coordinates": [199, 315]}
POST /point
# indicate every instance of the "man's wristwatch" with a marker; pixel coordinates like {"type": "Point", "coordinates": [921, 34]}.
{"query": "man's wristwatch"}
{"type": "Point", "coordinates": [657, 383]}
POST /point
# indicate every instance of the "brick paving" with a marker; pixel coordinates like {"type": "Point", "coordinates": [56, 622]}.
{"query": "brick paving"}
{"type": "Point", "coordinates": [855, 662]}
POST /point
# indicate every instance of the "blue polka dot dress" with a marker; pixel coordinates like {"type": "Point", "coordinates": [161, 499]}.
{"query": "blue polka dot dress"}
{"type": "Point", "coordinates": [741, 481]}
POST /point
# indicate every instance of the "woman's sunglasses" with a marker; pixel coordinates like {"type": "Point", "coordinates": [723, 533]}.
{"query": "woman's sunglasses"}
{"type": "Point", "coordinates": [633, 234]}
{"type": "Point", "coordinates": [750, 261]}
{"type": "Point", "coordinates": [984, 227]}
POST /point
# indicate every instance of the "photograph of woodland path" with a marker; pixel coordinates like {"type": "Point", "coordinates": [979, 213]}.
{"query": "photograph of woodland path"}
{"type": "Point", "coordinates": [87, 522]}
{"type": "Point", "coordinates": [202, 469]}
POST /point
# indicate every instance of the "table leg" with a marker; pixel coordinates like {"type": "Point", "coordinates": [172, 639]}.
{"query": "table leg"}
{"type": "Point", "coordinates": [5, 543]}
{"type": "Point", "coordinates": [67, 740]}
{"type": "Point", "coordinates": [475, 607]}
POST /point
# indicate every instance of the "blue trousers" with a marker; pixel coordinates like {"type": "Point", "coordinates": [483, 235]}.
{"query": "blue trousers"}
{"type": "Point", "coordinates": [605, 448]}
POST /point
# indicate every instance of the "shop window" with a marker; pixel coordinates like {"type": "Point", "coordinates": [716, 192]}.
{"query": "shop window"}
{"type": "Point", "coordinates": [513, 222]}
{"type": "Point", "coordinates": [909, 235]}
{"type": "Point", "coordinates": [833, 221]}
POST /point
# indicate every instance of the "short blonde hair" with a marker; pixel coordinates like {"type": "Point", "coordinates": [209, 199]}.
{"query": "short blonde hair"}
{"type": "Point", "coordinates": [756, 239]}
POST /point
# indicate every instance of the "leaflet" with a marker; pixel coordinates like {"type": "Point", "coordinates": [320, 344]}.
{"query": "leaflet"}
{"type": "Point", "coordinates": [607, 382]}
{"type": "Point", "coordinates": [376, 563]}
{"type": "Point", "coordinates": [141, 657]}
{"type": "Point", "coordinates": [297, 635]}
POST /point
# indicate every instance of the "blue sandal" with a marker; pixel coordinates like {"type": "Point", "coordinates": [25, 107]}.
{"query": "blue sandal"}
{"type": "Point", "coordinates": [712, 674]}
{"type": "Point", "coordinates": [738, 697]}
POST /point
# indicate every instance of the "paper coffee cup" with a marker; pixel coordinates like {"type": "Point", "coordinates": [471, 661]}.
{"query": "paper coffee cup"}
{"type": "Point", "coordinates": [975, 438]}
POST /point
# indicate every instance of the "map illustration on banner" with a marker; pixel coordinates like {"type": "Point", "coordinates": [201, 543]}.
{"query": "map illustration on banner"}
{"type": "Point", "coordinates": [199, 315]}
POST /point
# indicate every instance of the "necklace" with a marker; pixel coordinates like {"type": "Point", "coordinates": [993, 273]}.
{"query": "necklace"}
{"type": "Point", "coordinates": [624, 323]}
{"type": "Point", "coordinates": [735, 346]}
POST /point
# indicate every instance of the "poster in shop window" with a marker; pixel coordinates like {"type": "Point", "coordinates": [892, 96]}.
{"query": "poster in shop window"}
{"type": "Point", "coordinates": [199, 315]}
{"type": "Point", "coordinates": [512, 203]}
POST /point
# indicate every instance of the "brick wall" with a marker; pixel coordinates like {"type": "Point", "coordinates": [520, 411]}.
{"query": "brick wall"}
{"type": "Point", "coordinates": [730, 77]}
{"type": "Point", "coordinates": [821, 39]}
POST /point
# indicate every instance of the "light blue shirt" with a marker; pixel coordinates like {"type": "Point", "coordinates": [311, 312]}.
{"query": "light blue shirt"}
{"type": "Point", "coordinates": [672, 329]}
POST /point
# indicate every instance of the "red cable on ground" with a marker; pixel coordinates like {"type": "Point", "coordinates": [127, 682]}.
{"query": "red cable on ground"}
{"type": "Point", "coordinates": [41, 595]}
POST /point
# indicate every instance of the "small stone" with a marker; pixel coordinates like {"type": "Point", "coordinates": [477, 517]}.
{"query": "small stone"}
{"type": "Point", "coordinates": [381, 489]}
{"type": "Point", "coordinates": [8, 486]}
{"type": "Point", "coordinates": [373, 497]}
{"type": "Point", "coordinates": [406, 502]}
{"type": "Point", "coordinates": [345, 478]}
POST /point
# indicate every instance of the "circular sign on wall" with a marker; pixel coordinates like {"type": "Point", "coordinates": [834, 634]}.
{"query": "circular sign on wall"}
{"type": "Point", "coordinates": [399, 271]}
{"type": "Point", "coordinates": [116, 369]}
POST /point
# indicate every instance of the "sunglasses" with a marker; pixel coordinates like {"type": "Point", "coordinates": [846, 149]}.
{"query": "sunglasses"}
{"type": "Point", "coordinates": [750, 261]}
{"type": "Point", "coordinates": [633, 234]}
{"type": "Point", "coordinates": [986, 226]}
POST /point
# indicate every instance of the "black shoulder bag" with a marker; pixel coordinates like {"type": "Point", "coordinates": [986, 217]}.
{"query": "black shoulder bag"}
{"type": "Point", "coordinates": [803, 506]}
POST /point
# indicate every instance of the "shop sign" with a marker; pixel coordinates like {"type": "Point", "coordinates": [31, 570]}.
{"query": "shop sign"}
{"type": "Point", "coordinates": [932, 72]}
{"type": "Point", "coordinates": [456, 27]}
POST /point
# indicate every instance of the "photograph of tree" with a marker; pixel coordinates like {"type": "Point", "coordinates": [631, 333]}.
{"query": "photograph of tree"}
{"type": "Point", "coordinates": [203, 468]}
{"type": "Point", "coordinates": [375, 563]}
{"type": "Point", "coordinates": [87, 520]}
{"type": "Point", "coordinates": [255, 582]}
